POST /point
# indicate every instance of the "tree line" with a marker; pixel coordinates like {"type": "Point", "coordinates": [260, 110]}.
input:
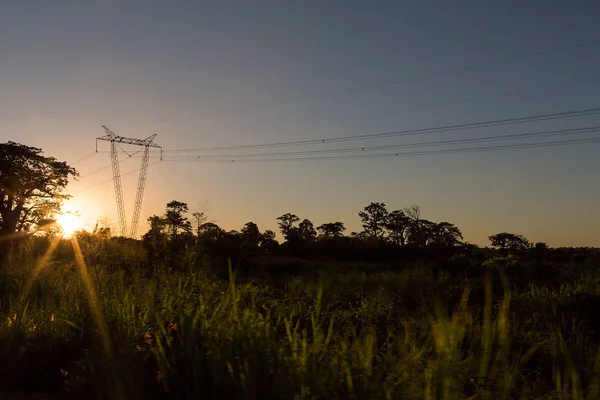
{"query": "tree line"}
{"type": "Point", "coordinates": [383, 231]}
{"type": "Point", "coordinates": [400, 227]}
{"type": "Point", "coordinates": [32, 189]}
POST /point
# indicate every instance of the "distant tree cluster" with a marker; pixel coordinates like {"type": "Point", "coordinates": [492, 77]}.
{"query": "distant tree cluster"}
{"type": "Point", "coordinates": [384, 233]}
{"type": "Point", "coordinates": [406, 227]}
{"type": "Point", "coordinates": [172, 232]}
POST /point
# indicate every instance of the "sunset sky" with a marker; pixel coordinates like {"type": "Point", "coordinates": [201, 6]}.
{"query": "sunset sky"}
{"type": "Point", "coordinates": [227, 73]}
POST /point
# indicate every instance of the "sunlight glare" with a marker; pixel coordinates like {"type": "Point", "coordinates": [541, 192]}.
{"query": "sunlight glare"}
{"type": "Point", "coordinates": [69, 223]}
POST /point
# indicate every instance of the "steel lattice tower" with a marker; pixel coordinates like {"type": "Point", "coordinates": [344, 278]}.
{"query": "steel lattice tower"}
{"type": "Point", "coordinates": [146, 143]}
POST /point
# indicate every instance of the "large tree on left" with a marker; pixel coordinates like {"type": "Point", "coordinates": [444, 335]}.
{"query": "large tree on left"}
{"type": "Point", "coordinates": [31, 187]}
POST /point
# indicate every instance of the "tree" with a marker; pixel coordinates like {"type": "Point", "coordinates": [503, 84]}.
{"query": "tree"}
{"type": "Point", "coordinates": [157, 224]}
{"type": "Point", "coordinates": [211, 233]}
{"type": "Point", "coordinates": [445, 234]}
{"type": "Point", "coordinates": [509, 242]}
{"type": "Point", "coordinates": [31, 187]}
{"type": "Point", "coordinates": [175, 218]}
{"type": "Point", "coordinates": [250, 236]}
{"type": "Point", "coordinates": [331, 229]}
{"type": "Point", "coordinates": [200, 218]}
{"type": "Point", "coordinates": [540, 249]}
{"type": "Point", "coordinates": [413, 212]}
{"type": "Point", "coordinates": [287, 225]}
{"type": "Point", "coordinates": [374, 217]}
{"type": "Point", "coordinates": [155, 240]}
{"type": "Point", "coordinates": [101, 230]}
{"type": "Point", "coordinates": [397, 225]}
{"type": "Point", "coordinates": [306, 231]}
{"type": "Point", "coordinates": [419, 230]}
{"type": "Point", "coordinates": [267, 240]}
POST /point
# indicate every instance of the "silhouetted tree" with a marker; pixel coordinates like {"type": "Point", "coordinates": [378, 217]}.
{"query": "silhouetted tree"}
{"type": "Point", "coordinates": [306, 231]}
{"type": "Point", "coordinates": [267, 240]}
{"type": "Point", "coordinates": [540, 250]}
{"type": "Point", "coordinates": [210, 233]}
{"type": "Point", "coordinates": [331, 229]}
{"type": "Point", "coordinates": [509, 242]}
{"type": "Point", "coordinates": [374, 217]}
{"type": "Point", "coordinates": [445, 234]}
{"type": "Point", "coordinates": [175, 218]}
{"type": "Point", "coordinates": [419, 230]}
{"type": "Point", "coordinates": [287, 225]}
{"type": "Point", "coordinates": [155, 240]}
{"type": "Point", "coordinates": [232, 245]}
{"type": "Point", "coordinates": [250, 236]}
{"type": "Point", "coordinates": [101, 231]}
{"type": "Point", "coordinates": [413, 212]}
{"type": "Point", "coordinates": [199, 218]}
{"type": "Point", "coordinates": [397, 225]}
{"type": "Point", "coordinates": [31, 187]}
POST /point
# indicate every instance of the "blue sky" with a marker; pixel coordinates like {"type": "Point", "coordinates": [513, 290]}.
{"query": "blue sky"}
{"type": "Point", "coordinates": [220, 73]}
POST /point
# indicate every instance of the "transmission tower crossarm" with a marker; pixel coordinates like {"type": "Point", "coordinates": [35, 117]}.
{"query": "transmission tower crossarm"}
{"type": "Point", "coordinates": [112, 137]}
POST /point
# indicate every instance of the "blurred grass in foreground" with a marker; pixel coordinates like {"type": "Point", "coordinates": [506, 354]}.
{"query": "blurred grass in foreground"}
{"type": "Point", "coordinates": [346, 335]}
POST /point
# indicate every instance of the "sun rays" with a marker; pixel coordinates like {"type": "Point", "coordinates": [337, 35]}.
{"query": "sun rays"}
{"type": "Point", "coordinates": [94, 304]}
{"type": "Point", "coordinates": [69, 223]}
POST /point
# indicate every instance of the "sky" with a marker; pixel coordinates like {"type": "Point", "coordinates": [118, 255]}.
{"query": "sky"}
{"type": "Point", "coordinates": [227, 73]}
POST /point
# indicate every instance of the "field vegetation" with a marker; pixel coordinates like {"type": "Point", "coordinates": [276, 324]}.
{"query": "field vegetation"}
{"type": "Point", "coordinates": [104, 317]}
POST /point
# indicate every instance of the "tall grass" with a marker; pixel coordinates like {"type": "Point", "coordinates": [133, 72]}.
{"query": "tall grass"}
{"type": "Point", "coordinates": [388, 335]}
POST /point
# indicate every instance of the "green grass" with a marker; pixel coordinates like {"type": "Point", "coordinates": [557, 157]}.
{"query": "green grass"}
{"type": "Point", "coordinates": [164, 333]}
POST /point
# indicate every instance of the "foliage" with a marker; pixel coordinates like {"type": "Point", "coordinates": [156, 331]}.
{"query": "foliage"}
{"type": "Point", "coordinates": [338, 331]}
{"type": "Point", "coordinates": [306, 231]}
{"type": "Point", "coordinates": [509, 242]}
{"type": "Point", "coordinates": [398, 225]}
{"type": "Point", "coordinates": [31, 187]}
{"type": "Point", "coordinates": [374, 217]}
{"type": "Point", "coordinates": [267, 241]}
{"type": "Point", "coordinates": [445, 234]}
{"type": "Point", "coordinates": [251, 236]}
{"type": "Point", "coordinates": [287, 225]}
{"type": "Point", "coordinates": [175, 218]}
{"type": "Point", "coordinates": [331, 229]}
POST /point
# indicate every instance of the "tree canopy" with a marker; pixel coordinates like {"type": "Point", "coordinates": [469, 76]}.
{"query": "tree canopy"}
{"type": "Point", "coordinates": [331, 229]}
{"type": "Point", "coordinates": [509, 241]}
{"type": "Point", "coordinates": [374, 218]}
{"type": "Point", "coordinates": [31, 187]}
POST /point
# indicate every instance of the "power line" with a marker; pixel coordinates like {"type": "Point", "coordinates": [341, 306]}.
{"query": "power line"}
{"type": "Point", "coordinates": [97, 170]}
{"type": "Point", "coordinates": [125, 174]}
{"type": "Point", "coordinates": [82, 159]}
{"type": "Point", "coordinates": [407, 132]}
{"type": "Point", "coordinates": [529, 135]}
{"type": "Point", "coordinates": [399, 154]}
{"type": "Point", "coordinates": [106, 166]}
{"type": "Point", "coordinates": [439, 105]}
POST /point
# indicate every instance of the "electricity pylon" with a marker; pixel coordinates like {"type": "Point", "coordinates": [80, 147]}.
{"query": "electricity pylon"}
{"type": "Point", "coordinates": [146, 143]}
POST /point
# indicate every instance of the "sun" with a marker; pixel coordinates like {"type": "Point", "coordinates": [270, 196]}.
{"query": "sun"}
{"type": "Point", "coordinates": [69, 223]}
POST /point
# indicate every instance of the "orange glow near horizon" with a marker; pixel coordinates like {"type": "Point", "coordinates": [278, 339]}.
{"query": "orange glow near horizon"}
{"type": "Point", "coordinates": [90, 208]}
{"type": "Point", "coordinates": [69, 223]}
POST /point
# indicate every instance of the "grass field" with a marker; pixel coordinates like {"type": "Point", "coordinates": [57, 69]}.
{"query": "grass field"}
{"type": "Point", "coordinates": [106, 323]}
